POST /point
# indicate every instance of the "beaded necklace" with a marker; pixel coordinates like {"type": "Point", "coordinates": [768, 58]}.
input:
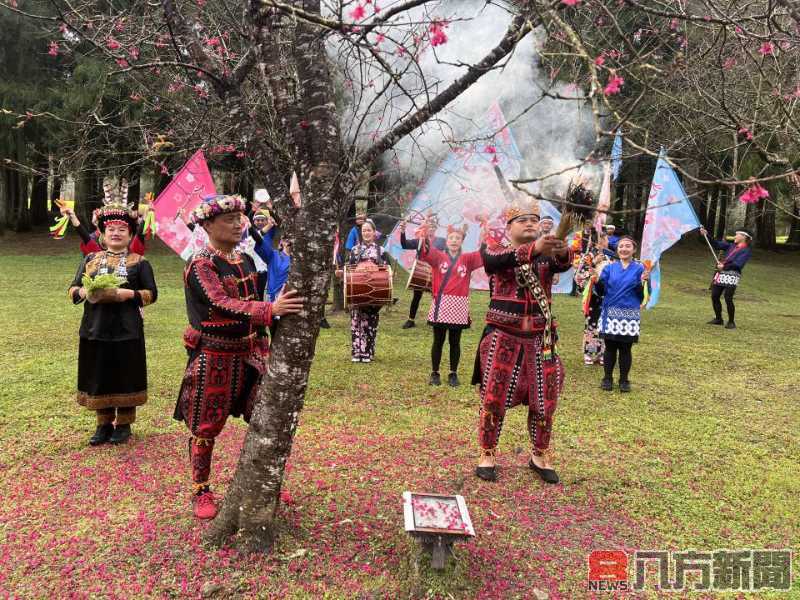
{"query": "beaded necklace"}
{"type": "Point", "coordinates": [234, 256]}
{"type": "Point", "coordinates": [122, 269]}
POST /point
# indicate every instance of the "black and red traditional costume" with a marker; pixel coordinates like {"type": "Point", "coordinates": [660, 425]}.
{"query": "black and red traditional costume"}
{"type": "Point", "coordinates": [112, 368]}
{"type": "Point", "coordinates": [227, 345]}
{"type": "Point", "coordinates": [517, 361]}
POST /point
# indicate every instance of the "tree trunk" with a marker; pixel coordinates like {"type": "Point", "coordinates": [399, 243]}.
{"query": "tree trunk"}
{"type": "Point", "coordinates": [4, 199]}
{"type": "Point", "coordinates": [708, 207]}
{"type": "Point", "coordinates": [722, 213]}
{"type": "Point", "coordinates": [244, 187]}
{"type": "Point", "coordinates": [21, 214]}
{"type": "Point", "coordinates": [88, 195]}
{"type": "Point", "coordinates": [249, 508]}
{"type": "Point", "coordinates": [794, 224]}
{"type": "Point", "coordinates": [134, 177]}
{"type": "Point", "coordinates": [39, 215]}
{"type": "Point", "coordinates": [765, 225]}
{"type": "Point", "coordinates": [55, 191]}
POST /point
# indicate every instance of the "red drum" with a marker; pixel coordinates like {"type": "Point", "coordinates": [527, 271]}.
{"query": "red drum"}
{"type": "Point", "coordinates": [421, 277]}
{"type": "Point", "coordinates": [370, 286]}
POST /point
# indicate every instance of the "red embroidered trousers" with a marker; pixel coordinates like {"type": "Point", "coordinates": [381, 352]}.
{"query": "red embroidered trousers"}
{"type": "Point", "coordinates": [216, 385]}
{"type": "Point", "coordinates": [513, 372]}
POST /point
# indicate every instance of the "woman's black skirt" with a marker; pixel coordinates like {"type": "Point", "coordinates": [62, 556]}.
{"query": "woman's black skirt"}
{"type": "Point", "coordinates": [112, 374]}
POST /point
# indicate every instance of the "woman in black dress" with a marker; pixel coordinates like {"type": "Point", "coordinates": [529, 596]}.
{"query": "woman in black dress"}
{"type": "Point", "coordinates": [112, 371]}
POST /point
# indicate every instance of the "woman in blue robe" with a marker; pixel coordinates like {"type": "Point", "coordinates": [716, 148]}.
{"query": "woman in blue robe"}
{"type": "Point", "coordinates": [622, 286]}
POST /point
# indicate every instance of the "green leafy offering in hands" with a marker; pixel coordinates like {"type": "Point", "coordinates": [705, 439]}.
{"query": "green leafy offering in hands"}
{"type": "Point", "coordinates": [102, 282]}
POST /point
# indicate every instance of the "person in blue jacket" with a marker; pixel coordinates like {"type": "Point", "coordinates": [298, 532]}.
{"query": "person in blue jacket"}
{"type": "Point", "coordinates": [729, 272]}
{"type": "Point", "coordinates": [354, 237]}
{"type": "Point", "coordinates": [612, 239]}
{"type": "Point", "coordinates": [279, 262]}
{"type": "Point", "coordinates": [621, 284]}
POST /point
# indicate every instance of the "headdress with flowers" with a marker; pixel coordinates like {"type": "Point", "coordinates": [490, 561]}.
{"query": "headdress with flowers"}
{"type": "Point", "coordinates": [216, 205]}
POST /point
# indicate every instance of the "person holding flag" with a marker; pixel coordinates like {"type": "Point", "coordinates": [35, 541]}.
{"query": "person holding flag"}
{"type": "Point", "coordinates": [729, 272]}
{"type": "Point", "coordinates": [669, 215]}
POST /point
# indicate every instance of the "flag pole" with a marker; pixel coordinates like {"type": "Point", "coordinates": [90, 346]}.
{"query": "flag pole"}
{"type": "Point", "coordinates": [710, 247]}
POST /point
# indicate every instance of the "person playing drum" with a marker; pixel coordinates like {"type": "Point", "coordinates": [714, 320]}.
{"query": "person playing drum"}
{"type": "Point", "coordinates": [413, 244]}
{"type": "Point", "coordinates": [449, 310]}
{"type": "Point", "coordinates": [366, 256]}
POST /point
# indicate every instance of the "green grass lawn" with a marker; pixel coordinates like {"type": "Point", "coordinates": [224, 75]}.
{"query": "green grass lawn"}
{"type": "Point", "coordinates": [704, 453]}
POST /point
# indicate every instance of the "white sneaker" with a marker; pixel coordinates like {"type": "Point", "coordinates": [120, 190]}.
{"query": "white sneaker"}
{"type": "Point", "coordinates": [354, 359]}
{"type": "Point", "coordinates": [366, 360]}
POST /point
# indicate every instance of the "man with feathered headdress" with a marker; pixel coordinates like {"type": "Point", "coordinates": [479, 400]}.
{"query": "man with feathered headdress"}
{"type": "Point", "coordinates": [517, 361]}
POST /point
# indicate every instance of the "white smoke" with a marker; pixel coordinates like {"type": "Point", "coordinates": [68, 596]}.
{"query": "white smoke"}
{"type": "Point", "coordinates": [552, 134]}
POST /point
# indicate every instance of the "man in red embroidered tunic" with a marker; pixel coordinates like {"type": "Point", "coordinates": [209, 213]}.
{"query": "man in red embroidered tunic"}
{"type": "Point", "coordinates": [226, 337]}
{"type": "Point", "coordinates": [517, 361]}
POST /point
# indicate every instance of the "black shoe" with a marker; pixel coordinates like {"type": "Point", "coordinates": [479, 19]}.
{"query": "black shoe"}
{"type": "Point", "coordinates": [625, 386]}
{"type": "Point", "coordinates": [324, 324]}
{"type": "Point", "coordinates": [715, 322]}
{"type": "Point", "coordinates": [486, 473]}
{"type": "Point", "coordinates": [607, 384]}
{"type": "Point", "coordinates": [547, 475]}
{"type": "Point", "coordinates": [101, 435]}
{"type": "Point", "coordinates": [409, 324]}
{"type": "Point", "coordinates": [452, 380]}
{"type": "Point", "coordinates": [730, 325]}
{"type": "Point", "coordinates": [435, 379]}
{"type": "Point", "coordinates": [121, 434]}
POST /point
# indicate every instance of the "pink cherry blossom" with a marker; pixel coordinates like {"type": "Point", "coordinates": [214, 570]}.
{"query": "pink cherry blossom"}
{"type": "Point", "coordinates": [744, 131]}
{"type": "Point", "coordinates": [570, 2]}
{"type": "Point", "coordinates": [438, 36]}
{"type": "Point", "coordinates": [112, 44]}
{"type": "Point", "coordinates": [358, 12]}
{"type": "Point", "coordinates": [753, 194]}
{"type": "Point", "coordinates": [729, 63]}
{"type": "Point", "coordinates": [53, 49]}
{"type": "Point", "coordinates": [767, 49]}
{"type": "Point", "coordinates": [614, 85]}
{"type": "Point", "coordinates": [600, 60]}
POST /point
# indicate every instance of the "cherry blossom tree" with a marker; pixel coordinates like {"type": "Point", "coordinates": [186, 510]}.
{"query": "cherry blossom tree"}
{"type": "Point", "coordinates": [320, 89]}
